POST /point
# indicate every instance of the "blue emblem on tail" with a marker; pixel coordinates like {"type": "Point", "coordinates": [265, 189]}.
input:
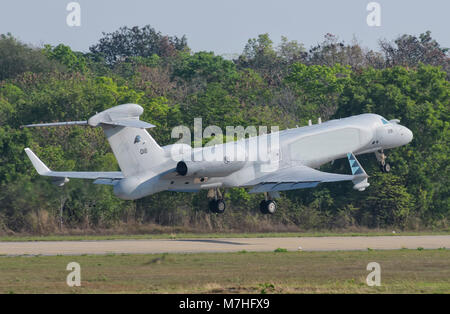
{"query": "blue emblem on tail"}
{"type": "Point", "coordinates": [354, 164]}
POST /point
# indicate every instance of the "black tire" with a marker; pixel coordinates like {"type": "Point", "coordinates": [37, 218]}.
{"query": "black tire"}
{"type": "Point", "coordinates": [213, 206]}
{"type": "Point", "coordinates": [220, 206]}
{"type": "Point", "coordinates": [263, 207]}
{"type": "Point", "coordinates": [268, 207]}
{"type": "Point", "coordinates": [386, 167]}
{"type": "Point", "coordinates": [217, 206]}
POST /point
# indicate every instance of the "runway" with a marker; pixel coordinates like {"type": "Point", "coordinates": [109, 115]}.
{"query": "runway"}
{"type": "Point", "coordinates": [222, 245]}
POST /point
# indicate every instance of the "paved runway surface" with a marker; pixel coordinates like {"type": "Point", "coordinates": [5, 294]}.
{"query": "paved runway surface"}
{"type": "Point", "coordinates": [222, 245]}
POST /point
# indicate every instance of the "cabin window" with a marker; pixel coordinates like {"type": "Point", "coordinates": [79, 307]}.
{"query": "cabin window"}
{"type": "Point", "coordinates": [137, 139]}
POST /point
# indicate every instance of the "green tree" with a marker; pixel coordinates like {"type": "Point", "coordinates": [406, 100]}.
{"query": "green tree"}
{"type": "Point", "coordinates": [207, 66]}
{"type": "Point", "coordinates": [387, 202]}
{"type": "Point", "coordinates": [137, 42]}
{"type": "Point", "coordinates": [318, 87]}
{"type": "Point", "coordinates": [420, 99]}
{"type": "Point", "coordinates": [260, 55]}
{"type": "Point", "coordinates": [409, 50]}
{"type": "Point", "coordinates": [17, 58]}
{"type": "Point", "coordinates": [72, 60]}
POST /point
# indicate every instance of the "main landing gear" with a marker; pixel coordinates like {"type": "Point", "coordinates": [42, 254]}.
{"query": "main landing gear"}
{"type": "Point", "coordinates": [216, 202]}
{"type": "Point", "coordinates": [381, 157]}
{"type": "Point", "coordinates": [267, 206]}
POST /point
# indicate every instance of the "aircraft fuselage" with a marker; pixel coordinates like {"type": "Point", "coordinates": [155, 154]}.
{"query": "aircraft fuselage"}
{"type": "Point", "coordinates": [311, 146]}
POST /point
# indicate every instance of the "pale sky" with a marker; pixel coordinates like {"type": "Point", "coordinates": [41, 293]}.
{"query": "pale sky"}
{"type": "Point", "coordinates": [225, 26]}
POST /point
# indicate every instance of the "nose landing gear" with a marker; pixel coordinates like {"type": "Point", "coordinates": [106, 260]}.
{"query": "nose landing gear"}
{"type": "Point", "coordinates": [381, 157]}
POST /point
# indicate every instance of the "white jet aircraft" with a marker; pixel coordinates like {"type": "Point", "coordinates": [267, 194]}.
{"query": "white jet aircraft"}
{"type": "Point", "coordinates": [147, 168]}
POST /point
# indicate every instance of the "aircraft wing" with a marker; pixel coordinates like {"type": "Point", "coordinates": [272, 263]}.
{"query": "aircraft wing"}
{"type": "Point", "coordinates": [300, 177]}
{"type": "Point", "coordinates": [102, 177]}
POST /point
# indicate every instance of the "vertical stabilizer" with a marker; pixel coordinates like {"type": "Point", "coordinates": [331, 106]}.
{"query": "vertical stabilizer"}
{"type": "Point", "coordinates": [134, 148]}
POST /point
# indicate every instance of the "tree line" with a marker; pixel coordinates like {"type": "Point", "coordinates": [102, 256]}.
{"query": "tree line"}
{"type": "Point", "coordinates": [284, 85]}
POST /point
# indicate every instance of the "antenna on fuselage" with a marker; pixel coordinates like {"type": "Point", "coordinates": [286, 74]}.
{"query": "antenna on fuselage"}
{"type": "Point", "coordinates": [309, 122]}
{"type": "Point", "coordinates": [319, 121]}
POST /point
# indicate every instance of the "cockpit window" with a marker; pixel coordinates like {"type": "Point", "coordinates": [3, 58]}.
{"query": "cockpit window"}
{"type": "Point", "coordinates": [384, 121]}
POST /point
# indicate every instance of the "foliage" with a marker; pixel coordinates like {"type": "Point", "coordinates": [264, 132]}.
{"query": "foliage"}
{"type": "Point", "coordinates": [17, 58]}
{"type": "Point", "coordinates": [73, 61]}
{"type": "Point", "coordinates": [137, 42]}
{"type": "Point", "coordinates": [409, 51]}
{"type": "Point", "coordinates": [319, 86]}
{"type": "Point", "coordinates": [282, 85]}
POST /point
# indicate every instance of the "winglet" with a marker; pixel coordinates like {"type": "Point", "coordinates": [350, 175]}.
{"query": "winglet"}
{"type": "Point", "coordinates": [360, 176]}
{"type": "Point", "coordinates": [40, 167]}
{"type": "Point", "coordinates": [355, 165]}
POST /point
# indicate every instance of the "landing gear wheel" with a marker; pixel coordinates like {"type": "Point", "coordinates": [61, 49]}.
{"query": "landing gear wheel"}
{"type": "Point", "coordinates": [217, 206]}
{"type": "Point", "coordinates": [271, 207]}
{"type": "Point", "coordinates": [268, 207]}
{"type": "Point", "coordinates": [385, 168]}
{"type": "Point", "coordinates": [220, 206]}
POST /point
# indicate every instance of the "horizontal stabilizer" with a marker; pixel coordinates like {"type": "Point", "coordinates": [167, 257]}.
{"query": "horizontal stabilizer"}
{"type": "Point", "coordinates": [43, 170]}
{"type": "Point", "coordinates": [106, 181]}
{"type": "Point", "coordinates": [70, 123]}
{"type": "Point", "coordinates": [126, 115]}
{"type": "Point", "coordinates": [131, 123]}
{"type": "Point", "coordinates": [40, 167]}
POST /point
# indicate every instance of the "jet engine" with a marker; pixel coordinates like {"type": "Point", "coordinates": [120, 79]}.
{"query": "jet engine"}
{"type": "Point", "coordinates": [208, 168]}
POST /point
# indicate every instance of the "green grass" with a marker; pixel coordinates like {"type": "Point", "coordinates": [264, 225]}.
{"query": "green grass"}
{"type": "Point", "coordinates": [402, 271]}
{"type": "Point", "coordinates": [210, 235]}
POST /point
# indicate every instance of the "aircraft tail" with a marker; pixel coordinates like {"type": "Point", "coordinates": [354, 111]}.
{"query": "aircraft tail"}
{"type": "Point", "coordinates": [134, 148]}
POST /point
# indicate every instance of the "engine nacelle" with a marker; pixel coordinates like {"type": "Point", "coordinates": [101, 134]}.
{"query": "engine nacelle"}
{"type": "Point", "coordinates": [208, 168]}
{"type": "Point", "coordinates": [133, 188]}
{"type": "Point", "coordinates": [60, 181]}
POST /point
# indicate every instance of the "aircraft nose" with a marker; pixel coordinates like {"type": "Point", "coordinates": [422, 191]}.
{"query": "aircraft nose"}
{"type": "Point", "coordinates": [406, 134]}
